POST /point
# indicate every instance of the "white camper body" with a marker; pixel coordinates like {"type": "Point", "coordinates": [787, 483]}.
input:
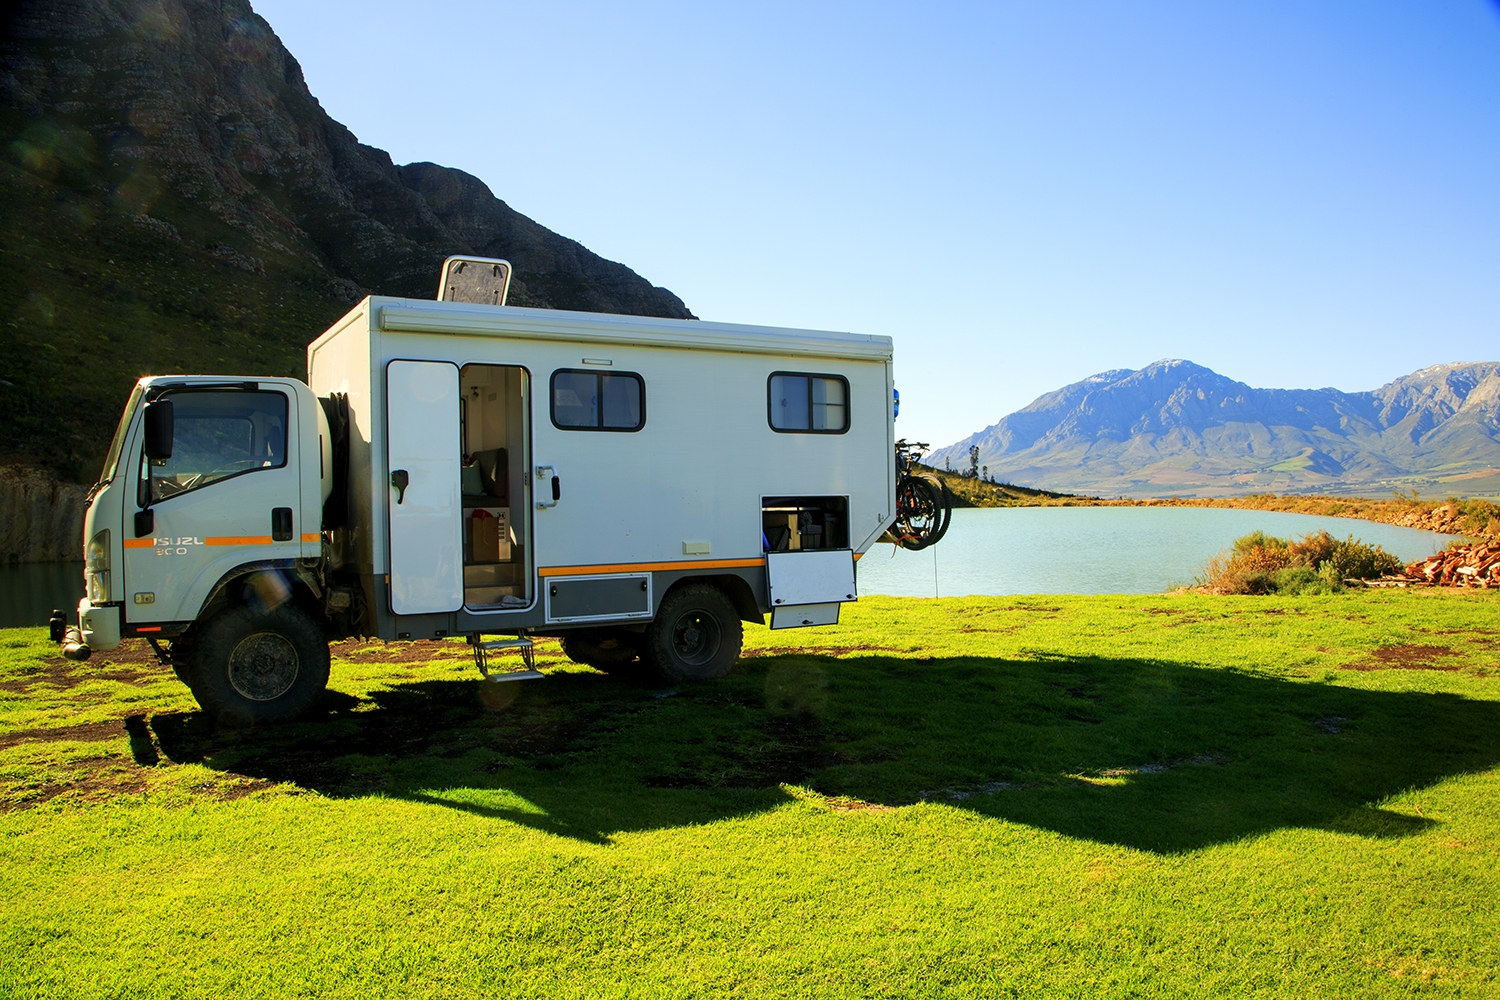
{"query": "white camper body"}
{"type": "Point", "coordinates": [685, 484]}
{"type": "Point", "coordinates": [637, 486]}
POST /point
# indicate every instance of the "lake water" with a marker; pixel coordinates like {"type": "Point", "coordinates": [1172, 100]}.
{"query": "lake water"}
{"type": "Point", "coordinates": [1009, 550]}
{"type": "Point", "coordinates": [30, 591]}
{"type": "Point", "coordinates": [1098, 550]}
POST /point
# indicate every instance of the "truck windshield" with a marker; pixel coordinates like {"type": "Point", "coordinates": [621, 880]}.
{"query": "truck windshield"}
{"type": "Point", "coordinates": [221, 434]}
{"type": "Point", "coordinates": [112, 460]}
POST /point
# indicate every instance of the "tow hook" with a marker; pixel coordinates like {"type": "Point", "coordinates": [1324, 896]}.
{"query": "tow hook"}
{"type": "Point", "coordinates": [71, 637]}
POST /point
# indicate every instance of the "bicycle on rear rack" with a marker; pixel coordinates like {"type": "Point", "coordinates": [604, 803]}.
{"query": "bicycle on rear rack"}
{"type": "Point", "coordinates": [924, 505]}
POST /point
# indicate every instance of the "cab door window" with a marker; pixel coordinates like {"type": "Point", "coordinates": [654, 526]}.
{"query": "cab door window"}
{"type": "Point", "coordinates": [219, 434]}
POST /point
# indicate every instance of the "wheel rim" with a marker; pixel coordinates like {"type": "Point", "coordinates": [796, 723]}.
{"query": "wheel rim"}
{"type": "Point", "coordinates": [263, 667]}
{"type": "Point", "coordinates": [696, 637]}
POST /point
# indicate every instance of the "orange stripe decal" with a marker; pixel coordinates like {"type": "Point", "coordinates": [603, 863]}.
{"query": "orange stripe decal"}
{"type": "Point", "coordinates": [311, 538]}
{"type": "Point", "coordinates": [139, 543]}
{"type": "Point", "coordinates": [656, 567]}
{"type": "Point", "coordinates": [239, 540]}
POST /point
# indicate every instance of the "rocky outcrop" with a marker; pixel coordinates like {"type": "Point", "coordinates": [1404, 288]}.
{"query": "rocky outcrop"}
{"type": "Point", "coordinates": [41, 518]}
{"type": "Point", "coordinates": [173, 198]}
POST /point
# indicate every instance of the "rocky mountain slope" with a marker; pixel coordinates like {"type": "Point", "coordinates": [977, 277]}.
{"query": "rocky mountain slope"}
{"type": "Point", "coordinates": [1178, 428]}
{"type": "Point", "coordinates": [173, 198]}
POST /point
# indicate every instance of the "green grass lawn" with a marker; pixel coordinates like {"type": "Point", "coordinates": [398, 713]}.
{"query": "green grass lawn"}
{"type": "Point", "coordinates": [1168, 796]}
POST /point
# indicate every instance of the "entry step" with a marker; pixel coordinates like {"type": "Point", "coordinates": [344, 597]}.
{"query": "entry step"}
{"type": "Point", "coordinates": [515, 675]}
{"type": "Point", "coordinates": [491, 644]}
{"type": "Point", "coordinates": [483, 648]}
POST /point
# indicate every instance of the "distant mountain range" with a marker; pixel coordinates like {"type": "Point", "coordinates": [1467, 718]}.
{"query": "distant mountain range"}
{"type": "Point", "coordinates": [1176, 428]}
{"type": "Point", "coordinates": [173, 198]}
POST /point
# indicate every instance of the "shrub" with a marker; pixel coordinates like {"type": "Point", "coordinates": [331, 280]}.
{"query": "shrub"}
{"type": "Point", "coordinates": [1317, 563]}
{"type": "Point", "coordinates": [1353, 559]}
{"type": "Point", "coordinates": [1306, 580]}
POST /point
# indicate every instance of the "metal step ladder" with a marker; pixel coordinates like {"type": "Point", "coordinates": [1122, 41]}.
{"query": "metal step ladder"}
{"type": "Point", "coordinates": [483, 648]}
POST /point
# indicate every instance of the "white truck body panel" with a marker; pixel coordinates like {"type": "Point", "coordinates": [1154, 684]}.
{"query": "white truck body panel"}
{"type": "Point", "coordinates": [682, 493]}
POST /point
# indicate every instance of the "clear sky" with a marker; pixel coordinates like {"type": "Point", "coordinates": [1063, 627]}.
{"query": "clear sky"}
{"type": "Point", "coordinates": [1295, 194]}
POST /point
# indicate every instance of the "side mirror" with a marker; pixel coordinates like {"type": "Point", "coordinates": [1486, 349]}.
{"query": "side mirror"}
{"type": "Point", "coordinates": [159, 430]}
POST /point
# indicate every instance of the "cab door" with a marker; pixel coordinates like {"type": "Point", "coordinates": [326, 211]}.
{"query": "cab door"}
{"type": "Point", "coordinates": [227, 496]}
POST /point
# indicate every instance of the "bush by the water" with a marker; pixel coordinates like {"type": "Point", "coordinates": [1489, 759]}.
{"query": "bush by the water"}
{"type": "Point", "coordinates": [1315, 564]}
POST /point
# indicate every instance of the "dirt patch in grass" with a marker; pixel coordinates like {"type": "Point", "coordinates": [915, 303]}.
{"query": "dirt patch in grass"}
{"type": "Point", "coordinates": [63, 674]}
{"type": "Point", "coordinates": [95, 778]}
{"type": "Point", "coordinates": [833, 651]}
{"type": "Point", "coordinates": [1409, 657]}
{"type": "Point", "coordinates": [361, 651]}
{"type": "Point", "coordinates": [88, 733]}
{"type": "Point", "coordinates": [844, 804]}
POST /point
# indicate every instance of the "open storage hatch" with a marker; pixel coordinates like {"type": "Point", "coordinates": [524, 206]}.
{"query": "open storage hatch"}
{"type": "Point", "coordinates": [809, 565]}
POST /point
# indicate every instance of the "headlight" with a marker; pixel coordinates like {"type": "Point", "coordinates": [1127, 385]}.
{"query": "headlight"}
{"type": "Point", "coordinates": [96, 568]}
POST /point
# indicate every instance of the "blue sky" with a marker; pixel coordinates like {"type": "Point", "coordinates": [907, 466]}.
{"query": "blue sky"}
{"type": "Point", "coordinates": [1021, 194]}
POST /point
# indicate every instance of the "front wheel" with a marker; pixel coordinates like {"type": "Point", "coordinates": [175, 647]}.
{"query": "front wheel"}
{"type": "Point", "coordinates": [696, 634]}
{"type": "Point", "coordinates": [248, 666]}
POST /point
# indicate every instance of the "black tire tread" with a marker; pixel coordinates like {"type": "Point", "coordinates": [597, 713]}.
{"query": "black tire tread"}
{"type": "Point", "coordinates": [703, 597]}
{"type": "Point", "coordinates": [209, 658]}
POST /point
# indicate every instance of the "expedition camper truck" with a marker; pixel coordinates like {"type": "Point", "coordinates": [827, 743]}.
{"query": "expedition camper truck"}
{"type": "Point", "coordinates": [632, 485]}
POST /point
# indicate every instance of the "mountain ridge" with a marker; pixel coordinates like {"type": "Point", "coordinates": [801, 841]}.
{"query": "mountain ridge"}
{"type": "Point", "coordinates": [1175, 426]}
{"type": "Point", "coordinates": [174, 198]}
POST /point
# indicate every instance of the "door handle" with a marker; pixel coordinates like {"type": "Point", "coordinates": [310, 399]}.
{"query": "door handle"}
{"type": "Point", "coordinates": [542, 472]}
{"type": "Point", "coordinates": [400, 480]}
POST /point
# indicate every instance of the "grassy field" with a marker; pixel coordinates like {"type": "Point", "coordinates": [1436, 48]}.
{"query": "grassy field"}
{"type": "Point", "coordinates": [1170, 796]}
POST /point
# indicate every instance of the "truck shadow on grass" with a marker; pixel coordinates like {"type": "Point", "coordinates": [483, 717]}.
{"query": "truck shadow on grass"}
{"type": "Point", "coordinates": [1157, 756]}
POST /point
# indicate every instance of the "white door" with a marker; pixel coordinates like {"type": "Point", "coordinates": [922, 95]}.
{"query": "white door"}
{"type": "Point", "coordinates": [229, 495]}
{"type": "Point", "coordinates": [427, 570]}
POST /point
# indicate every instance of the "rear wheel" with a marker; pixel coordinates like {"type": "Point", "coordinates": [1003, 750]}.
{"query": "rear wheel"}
{"type": "Point", "coordinates": [696, 634]}
{"type": "Point", "coordinates": [248, 666]}
{"type": "Point", "coordinates": [602, 648]}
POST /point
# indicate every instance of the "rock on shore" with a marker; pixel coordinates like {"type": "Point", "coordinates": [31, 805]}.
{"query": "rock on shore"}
{"type": "Point", "coordinates": [41, 517]}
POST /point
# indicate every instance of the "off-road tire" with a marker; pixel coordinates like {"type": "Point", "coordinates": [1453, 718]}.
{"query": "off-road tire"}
{"type": "Point", "coordinates": [249, 667]}
{"type": "Point", "coordinates": [602, 648]}
{"type": "Point", "coordinates": [181, 653]}
{"type": "Point", "coordinates": [696, 635]}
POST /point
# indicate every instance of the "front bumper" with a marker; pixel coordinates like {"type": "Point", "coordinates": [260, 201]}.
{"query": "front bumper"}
{"type": "Point", "coordinates": [99, 626]}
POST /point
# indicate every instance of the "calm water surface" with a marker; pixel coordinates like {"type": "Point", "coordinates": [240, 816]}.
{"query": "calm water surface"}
{"type": "Point", "coordinates": [29, 592]}
{"type": "Point", "coordinates": [1010, 550]}
{"type": "Point", "coordinates": [1098, 550]}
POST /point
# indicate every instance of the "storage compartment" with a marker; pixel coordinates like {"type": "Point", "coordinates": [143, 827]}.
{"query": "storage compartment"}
{"type": "Point", "coordinates": [807, 587]}
{"type": "Point", "coordinates": [590, 598]}
{"type": "Point", "coordinates": [795, 524]}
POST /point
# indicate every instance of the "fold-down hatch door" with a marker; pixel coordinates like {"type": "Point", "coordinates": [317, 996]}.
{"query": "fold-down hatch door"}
{"type": "Point", "coordinates": [808, 586]}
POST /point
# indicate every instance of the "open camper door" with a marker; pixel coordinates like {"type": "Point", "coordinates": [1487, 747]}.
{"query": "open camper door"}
{"type": "Point", "coordinates": [422, 434]}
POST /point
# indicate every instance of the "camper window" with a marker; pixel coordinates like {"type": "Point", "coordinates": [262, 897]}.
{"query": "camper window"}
{"type": "Point", "coordinates": [808, 404]}
{"type": "Point", "coordinates": [591, 401]}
